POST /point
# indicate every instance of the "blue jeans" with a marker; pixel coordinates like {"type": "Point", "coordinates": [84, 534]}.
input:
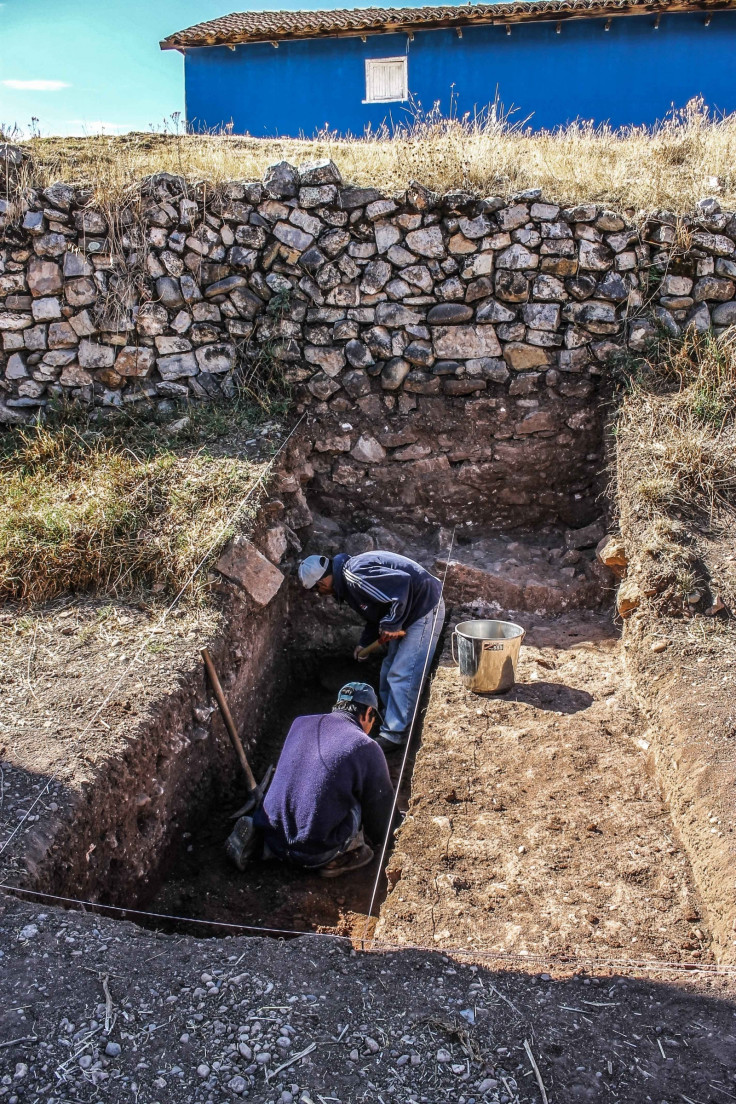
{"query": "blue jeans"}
{"type": "Point", "coordinates": [402, 673]}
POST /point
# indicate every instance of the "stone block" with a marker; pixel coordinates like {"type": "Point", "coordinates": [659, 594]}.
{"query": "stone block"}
{"type": "Point", "coordinates": [446, 314]}
{"type": "Point", "coordinates": [292, 236]}
{"type": "Point", "coordinates": [93, 355]}
{"type": "Point", "coordinates": [281, 179]}
{"type": "Point", "coordinates": [216, 358]}
{"type": "Point", "coordinates": [541, 316]}
{"type": "Point", "coordinates": [81, 292]}
{"type": "Point", "coordinates": [386, 235]}
{"type": "Point", "coordinates": [396, 315]}
{"type": "Point", "coordinates": [587, 537]}
{"type": "Point", "coordinates": [44, 277]}
{"type": "Point", "coordinates": [177, 366]}
{"type": "Point", "coordinates": [368, 450]}
{"type": "Point", "coordinates": [517, 257]}
{"type": "Point", "coordinates": [46, 310]}
{"type": "Point", "coordinates": [427, 242]}
{"type": "Point", "coordinates": [394, 373]}
{"type": "Point", "coordinates": [725, 315]}
{"type": "Point", "coordinates": [322, 387]}
{"type": "Point", "coordinates": [463, 342]}
{"type": "Point", "coordinates": [522, 358]}
{"type": "Point", "coordinates": [331, 359]}
{"type": "Point", "coordinates": [250, 569]}
{"type": "Point", "coordinates": [15, 369]}
{"type": "Point", "coordinates": [713, 287]}
{"type": "Point", "coordinates": [75, 376]}
{"type": "Point", "coordinates": [319, 195]}
{"type": "Point", "coordinates": [540, 421]}
{"type": "Point", "coordinates": [14, 320]}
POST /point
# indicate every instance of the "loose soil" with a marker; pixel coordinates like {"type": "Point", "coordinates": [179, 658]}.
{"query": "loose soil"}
{"type": "Point", "coordinates": [536, 826]}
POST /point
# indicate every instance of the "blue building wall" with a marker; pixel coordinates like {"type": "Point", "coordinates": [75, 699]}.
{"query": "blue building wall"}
{"type": "Point", "coordinates": [631, 73]}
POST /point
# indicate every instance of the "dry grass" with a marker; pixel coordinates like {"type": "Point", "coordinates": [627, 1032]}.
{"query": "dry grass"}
{"type": "Point", "coordinates": [113, 511]}
{"type": "Point", "coordinates": [676, 461]}
{"type": "Point", "coordinates": [689, 155]}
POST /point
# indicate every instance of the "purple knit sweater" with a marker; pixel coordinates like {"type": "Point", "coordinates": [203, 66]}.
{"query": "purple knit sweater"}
{"type": "Point", "coordinates": [328, 772]}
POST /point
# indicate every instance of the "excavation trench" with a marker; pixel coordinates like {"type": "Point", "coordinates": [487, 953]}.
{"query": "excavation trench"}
{"type": "Point", "coordinates": [201, 883]}
{"type": "Point", "coordinates": [147, 833]}
{"type": "Point", "coordinates": [536, 825]}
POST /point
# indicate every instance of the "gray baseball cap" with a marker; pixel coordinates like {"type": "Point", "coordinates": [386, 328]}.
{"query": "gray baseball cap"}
{"type": "Point", "coordinates": [312, 570]}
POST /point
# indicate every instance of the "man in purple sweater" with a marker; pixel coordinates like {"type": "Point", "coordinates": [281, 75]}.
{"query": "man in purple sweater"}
{"type": "Point", "coordinates": [330, 791]}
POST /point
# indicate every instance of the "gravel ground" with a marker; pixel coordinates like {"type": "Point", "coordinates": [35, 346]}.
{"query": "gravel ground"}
{"type": "Point", "coordinates": [97, 1009]}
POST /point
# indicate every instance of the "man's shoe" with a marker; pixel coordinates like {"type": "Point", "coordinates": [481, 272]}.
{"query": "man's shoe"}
{"type": "Point", "coordinates": [388, 747]}
{"type": "Point", "coordinates": [241, 843]}
{"type": "Point", "coordinates": [347, 862]}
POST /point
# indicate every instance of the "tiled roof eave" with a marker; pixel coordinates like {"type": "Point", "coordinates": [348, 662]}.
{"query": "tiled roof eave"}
{"type": "Point", "coordinates": [306, 24]}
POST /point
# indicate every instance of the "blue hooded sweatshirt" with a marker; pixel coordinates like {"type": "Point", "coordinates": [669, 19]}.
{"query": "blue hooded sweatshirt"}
{"type": "Point", "coordinates": [330, 779]}
{"type": "Point", "coordinates": [390, 592]}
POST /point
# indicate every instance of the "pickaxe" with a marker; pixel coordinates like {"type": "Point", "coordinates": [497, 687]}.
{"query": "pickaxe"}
{"type": "Point", "coordinates": [256, 790]}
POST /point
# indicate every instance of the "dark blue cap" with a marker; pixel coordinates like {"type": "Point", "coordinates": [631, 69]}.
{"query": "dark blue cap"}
{"type": "Point", "coordinates": [359, 692]}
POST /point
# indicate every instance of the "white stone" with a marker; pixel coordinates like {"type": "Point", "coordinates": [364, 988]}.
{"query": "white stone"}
{"type": "Point", "coordinates": [15, 368]}
{"type": "Point", "coordinates": [46, 310]}
{"type": "Point", "coordinates": [517, 257]}
{"type": "Point", "coordinates": [368, 450]}
{"type": "Point", "coordinates": [177, 366]}
{"type": "Point", "coordinates": [386, 235]}
{"type": "Point", "coordinates": [92, 355]}
{"type": "Point", "coordinates": [427, 242]}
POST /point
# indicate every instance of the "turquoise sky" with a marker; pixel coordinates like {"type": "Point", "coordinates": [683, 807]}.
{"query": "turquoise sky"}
{"type": "Point", "coordinates": [85, 66]}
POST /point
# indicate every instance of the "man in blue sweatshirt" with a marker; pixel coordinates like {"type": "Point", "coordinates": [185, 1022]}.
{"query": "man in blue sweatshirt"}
{"type": "Point", "coordinates": [402, 606]}
{"type": "Point", "coordinates": [331, 789]}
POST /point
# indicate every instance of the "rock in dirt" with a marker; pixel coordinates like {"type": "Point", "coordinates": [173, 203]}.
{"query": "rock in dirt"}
{"type": "Point", "coordinates": [611, 552]}
{"type": "Point", "coordinates": [245, 565]}
{"type": "Point", "coordinates": [628, 598]}
{"type": "Point", "coordinates": [586, 537]}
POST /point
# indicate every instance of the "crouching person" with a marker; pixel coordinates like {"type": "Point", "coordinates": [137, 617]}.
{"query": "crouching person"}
{"type": "Point", "coordinates": [331, 795]}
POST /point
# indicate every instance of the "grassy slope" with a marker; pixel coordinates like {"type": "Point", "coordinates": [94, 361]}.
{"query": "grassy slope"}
{"type": "Point", "coordinates": [676, 470]}
{"type": "Point", "coordinates": [113, 508]}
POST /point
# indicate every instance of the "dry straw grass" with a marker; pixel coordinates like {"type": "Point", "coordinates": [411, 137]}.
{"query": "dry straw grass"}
{"type": "Point", "coordinates": [676, 458]}
{"type": "Point", "coordinates": [690, 154]}
{"type": "Point", "coordinates": [110, 512]}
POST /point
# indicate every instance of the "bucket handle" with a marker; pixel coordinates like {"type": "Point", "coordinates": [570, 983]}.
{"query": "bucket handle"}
{"type": "Point", "coordinates": [452, 648]}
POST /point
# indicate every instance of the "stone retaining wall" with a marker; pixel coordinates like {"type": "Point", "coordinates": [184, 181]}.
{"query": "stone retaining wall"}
{"type": "Point", "coordinates": [452, 350]}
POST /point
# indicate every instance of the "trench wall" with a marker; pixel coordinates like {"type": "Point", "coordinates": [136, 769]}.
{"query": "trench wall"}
{"type": "Point", "coordinates": [452, 351]}
{"type": "Point", "coordinates": [126, 826]}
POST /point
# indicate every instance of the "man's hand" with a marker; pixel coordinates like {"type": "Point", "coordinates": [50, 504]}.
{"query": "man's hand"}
{"type": "Point", "coordinates": [386, 636]}
{"type": "Point", "coordinates": [356, 654]}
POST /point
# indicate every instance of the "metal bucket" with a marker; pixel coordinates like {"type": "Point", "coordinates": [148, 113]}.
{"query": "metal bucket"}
{"type": "Point", "coordinates": [487, 654]}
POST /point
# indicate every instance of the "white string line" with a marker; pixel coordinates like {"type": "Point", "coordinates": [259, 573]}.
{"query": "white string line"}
{"type": "Point", "coordinates": [226, 524]}
{"type": "Point", "coordinates": [428, 657]}
{"type": "Point", "coordinates": [652, 965]}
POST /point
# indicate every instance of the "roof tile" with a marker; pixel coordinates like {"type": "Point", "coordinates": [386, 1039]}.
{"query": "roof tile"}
{"type": "Point", "coordinates": [268, 26]}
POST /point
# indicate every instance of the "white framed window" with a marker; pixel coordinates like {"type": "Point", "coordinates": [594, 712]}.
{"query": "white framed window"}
{"type": "Point", "coordinates": [386, 79]}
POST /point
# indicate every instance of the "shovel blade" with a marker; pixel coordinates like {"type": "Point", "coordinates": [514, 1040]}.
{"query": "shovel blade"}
{"type": "Point", "coordinates": [255, 797]}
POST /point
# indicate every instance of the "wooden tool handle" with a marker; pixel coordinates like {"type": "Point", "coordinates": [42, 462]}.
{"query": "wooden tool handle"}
{"type": "Point", "coordinates": [227, 718]}
{"type": "Point", "coordinates": [371, 648]}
